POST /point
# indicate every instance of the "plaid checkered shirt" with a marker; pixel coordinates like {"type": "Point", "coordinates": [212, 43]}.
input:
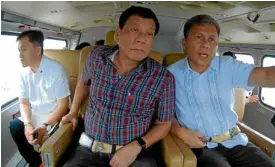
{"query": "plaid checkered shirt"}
{"type": "Point", "coordinates": [121, 108]}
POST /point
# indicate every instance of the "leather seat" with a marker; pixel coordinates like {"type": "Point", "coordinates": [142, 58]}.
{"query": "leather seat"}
{"type": "Point", "coordinates": [70, 60]}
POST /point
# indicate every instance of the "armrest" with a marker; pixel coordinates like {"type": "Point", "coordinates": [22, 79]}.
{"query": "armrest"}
{"type": "Point", "coordinates": [266, 144]}
{"type": "Point", "coordinates": [189, 158]}
{"type": "Point", "coordinates": [172, 154]}
{"type": "Point", "coordinates": [55, 146]}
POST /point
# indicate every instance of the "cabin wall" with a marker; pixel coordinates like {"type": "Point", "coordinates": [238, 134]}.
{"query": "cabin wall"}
{"type": "Point", "coordinates": [94, 34]}
{"type": "Point", "coordinates": [13, 27]}
{"type": "Point", "coordinates": [8, 146]}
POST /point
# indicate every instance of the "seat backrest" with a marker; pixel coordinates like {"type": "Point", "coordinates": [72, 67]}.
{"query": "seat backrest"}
{"type": "Point", "coordinates": [84, 54]}
{"type": "Point", "coordinates": [156, 56]}
{"type": "Point", "coordinates": [239, 105]}
{"type": "Point", "coordinates": [172, 58]}
{"type": "Point", "coordinates": [109, 38]}
{"type": "Point", "coordinates": [69, 59]}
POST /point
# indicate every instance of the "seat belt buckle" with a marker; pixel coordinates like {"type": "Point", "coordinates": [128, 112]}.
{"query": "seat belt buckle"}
{"type": "Point", "coordinates": [85, 140]}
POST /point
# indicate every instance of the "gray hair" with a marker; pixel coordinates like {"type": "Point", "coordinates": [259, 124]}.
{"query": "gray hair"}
{"type": "Point", "coordinates": [199, 20]}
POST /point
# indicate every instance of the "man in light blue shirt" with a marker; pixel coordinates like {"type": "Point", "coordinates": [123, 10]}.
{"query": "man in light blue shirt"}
{"type": "Point", "coordinates": [204, 99]}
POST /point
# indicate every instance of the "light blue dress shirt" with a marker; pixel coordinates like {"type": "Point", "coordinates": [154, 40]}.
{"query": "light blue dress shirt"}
{"type": "Point", "coordinates": [204, 102]}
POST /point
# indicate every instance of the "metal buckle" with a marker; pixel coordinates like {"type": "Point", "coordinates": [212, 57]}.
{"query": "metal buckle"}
{"type": "Point", "coordinates": [234, 131]}
{"type": "Point", "coordinates": [99, 146]}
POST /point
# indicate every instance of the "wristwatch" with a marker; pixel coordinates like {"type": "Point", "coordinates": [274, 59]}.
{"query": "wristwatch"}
{"type": "Point", "coordinates": [141, 143]}
{"type": "Point", "coordinates": [48, 126]}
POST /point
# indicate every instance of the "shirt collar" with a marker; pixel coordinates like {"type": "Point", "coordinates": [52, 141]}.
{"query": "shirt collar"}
{"type": "Point", "coordinates": [41, 67]}
{"type": "Point", "coordinates": [214, 64]}
{"type": "Point", "coordinates": [145, 63]}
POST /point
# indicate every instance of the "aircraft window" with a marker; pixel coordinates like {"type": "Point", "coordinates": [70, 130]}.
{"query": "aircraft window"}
{"type": "Point", "coordinates": [267, 94]}
{"type": "Point", "coordinates": [9, 68]}
{"type": "Point", "coordinates": [246, 58]}
{"type": "Point", "coordinates": [52, 43]}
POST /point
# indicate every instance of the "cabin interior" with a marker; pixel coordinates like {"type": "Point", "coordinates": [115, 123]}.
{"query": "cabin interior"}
{"type": "Point", "coordinates": [247, 29]}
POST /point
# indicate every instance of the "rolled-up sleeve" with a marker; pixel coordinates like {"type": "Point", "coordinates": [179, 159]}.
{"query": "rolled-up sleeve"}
{"type": "Point", "coordinates": [166, 104]}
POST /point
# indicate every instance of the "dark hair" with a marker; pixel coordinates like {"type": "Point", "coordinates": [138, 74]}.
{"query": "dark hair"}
{"type": "Point", "coordinates": [82, 45]}
{"type": "Point", "coordinates": [199, 20]}
{"type": "Point", "coordinates": [139, 11]}
{"type": "Point", "coordinates": [35, 37]}
{"type": "Point", "coordinates": [99, 42]}
{"type": "Point", "coordinates": [231, 54]}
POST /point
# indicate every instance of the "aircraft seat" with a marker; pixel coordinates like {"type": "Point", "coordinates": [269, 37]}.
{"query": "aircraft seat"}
{"type": "Point", "coordinates": [69, 59]}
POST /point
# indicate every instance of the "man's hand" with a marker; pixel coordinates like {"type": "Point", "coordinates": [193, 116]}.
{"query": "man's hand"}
{"type": "Point", "coordinates": [194, 139]}
{"type": "Point", "coordinates": [252, 99]}
{"type": "Point", "coordinates": [69, 118]}
{"type": "Point", "coordinates": [125, 156]}
{"type": "Point", "coordinates": [42, 131]}
{"type": "Point", "coordinates": [29, 130]}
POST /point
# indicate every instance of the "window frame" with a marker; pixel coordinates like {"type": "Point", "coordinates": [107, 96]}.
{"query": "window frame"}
{"type": "Point", "coordinates": [245, 53]}
{"type": "Point", "coordinates": [6, 104]}
{"type": "Point", "coordinates": [58, 39]}
{"type": "Point", "coordinates": [260, 88]}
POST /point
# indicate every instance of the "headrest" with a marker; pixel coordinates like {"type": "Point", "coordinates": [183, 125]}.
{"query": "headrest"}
{"type": "Point", "coordinates": [109, 38]}
{"type": "Point", "coordinates": [239, 105]}
{"type": "Point", "coordinates": [156, 56]}
{"type": "Point", "coordinates": [68, 58]}
{"type": "Point", "coordinates": [84, 54]}
{"type": "Point", "coordinates": [172, 58]}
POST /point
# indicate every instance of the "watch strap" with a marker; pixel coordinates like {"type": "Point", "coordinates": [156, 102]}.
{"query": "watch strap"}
{"type": "Point", "coordinates": [141, 143]}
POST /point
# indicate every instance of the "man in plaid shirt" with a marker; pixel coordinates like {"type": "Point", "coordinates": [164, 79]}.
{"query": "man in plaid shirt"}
{"type": "Point", "coordinates": [126, 90]}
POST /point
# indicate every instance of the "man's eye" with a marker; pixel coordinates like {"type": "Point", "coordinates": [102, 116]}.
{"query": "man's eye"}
{"type": "Point", "coordinates": [199, 36]}
{"type": "Point", "coordinates": [212, 39]}
{"type": "Point", "coordinates": [134, 29]}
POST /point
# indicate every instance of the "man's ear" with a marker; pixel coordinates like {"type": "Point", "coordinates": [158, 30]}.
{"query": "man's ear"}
{"type": "Point", "coordinates": [117, 34]}
{"type": "Point", "coordinates": [183, 43]}
{"type": "Point", "coordinates": [38, 50]}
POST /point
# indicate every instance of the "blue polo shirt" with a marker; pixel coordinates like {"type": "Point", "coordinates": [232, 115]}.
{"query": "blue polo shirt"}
{"type": "Point", "coordinates": [204, 102]}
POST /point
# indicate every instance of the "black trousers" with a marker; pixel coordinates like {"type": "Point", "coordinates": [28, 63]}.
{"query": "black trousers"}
{"type": "Point", "coordinates": [239, 156]}
{"type": "Point", "coordinates": [83, 157]}
{"type": "Point", "coordinates": [26, 150]}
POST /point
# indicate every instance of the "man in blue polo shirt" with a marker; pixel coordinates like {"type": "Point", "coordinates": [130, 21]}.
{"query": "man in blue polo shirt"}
{"type": "Point", "coordinates": [204, 83]}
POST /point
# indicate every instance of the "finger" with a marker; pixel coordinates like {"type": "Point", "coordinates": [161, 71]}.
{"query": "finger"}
{"type": "Point", "coordinates": [201, 144]}
{"type": "Point", "coordinates": [64, 120]}
{"type": "Point", "coordinates": [29, 137]}
{"type": "Point", "coordinates": [199, 135]}
{"type": "Point", "coordinates": [116, 164]}
{"type": "Point", "coordinates": [33, 142]}
{"type": "Point", "coordinates": [122, 165]}
{"type": "Point", "coordinates": [112, 161]}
